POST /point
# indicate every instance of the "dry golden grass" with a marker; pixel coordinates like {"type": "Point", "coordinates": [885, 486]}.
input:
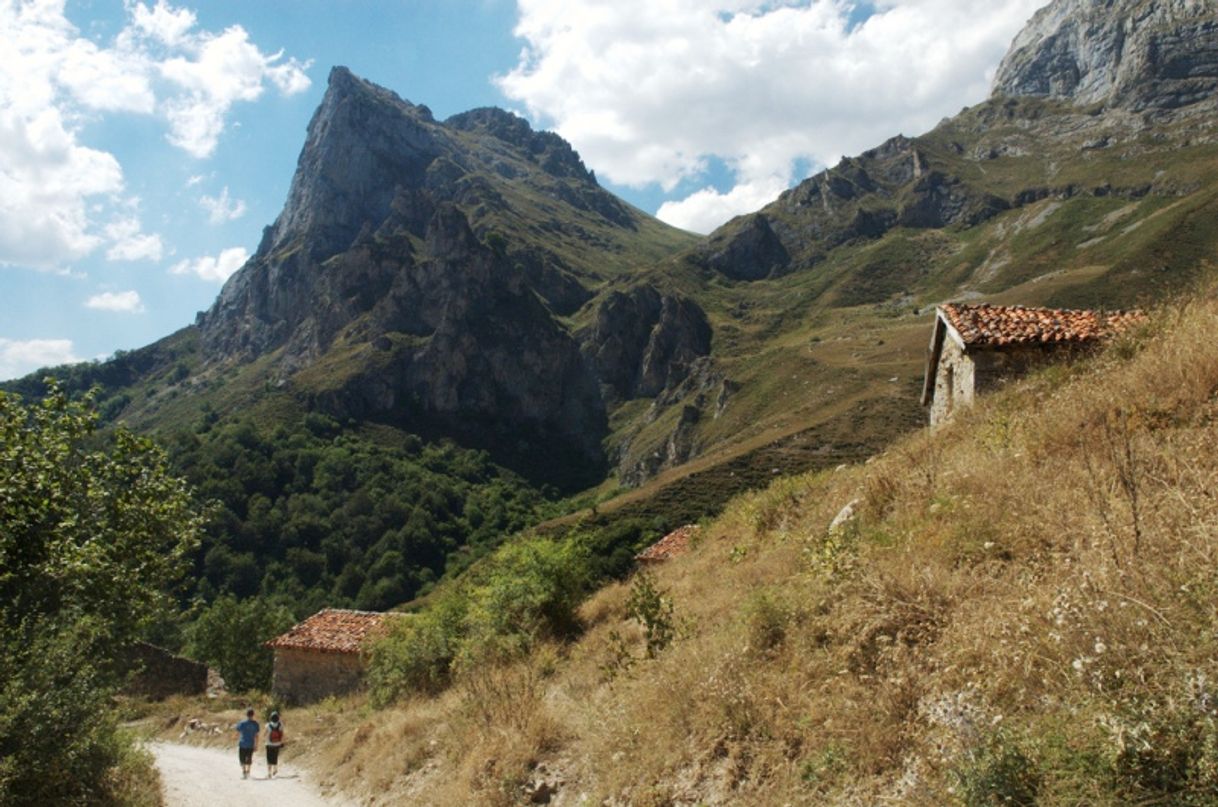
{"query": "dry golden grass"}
{"type": "Point", "coordinates": [1023, 611]}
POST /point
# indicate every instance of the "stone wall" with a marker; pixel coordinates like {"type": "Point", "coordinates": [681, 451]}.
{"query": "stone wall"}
{"type": "Point", "coordinates": [953, 382]}
{"type": "Point", "coordinates": [159, 673]}
{"type": "Point", "coordinates": [303, 676]}
{"type": "Point", "coordinates": [961, 376]}
{"type": "Point", "coordinates": [992, 368]}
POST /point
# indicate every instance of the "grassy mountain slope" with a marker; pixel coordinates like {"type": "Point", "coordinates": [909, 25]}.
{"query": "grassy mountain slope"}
{"type": "Point", "coordinates": [808, 369]}
{"type": "Point", "coordinates": [1084, 210]}
{"type": "Point", "coordinates": [1021, 611]}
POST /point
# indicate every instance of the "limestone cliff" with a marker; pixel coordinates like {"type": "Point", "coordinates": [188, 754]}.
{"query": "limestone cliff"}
{"type": "Point", "coordinates": [418, 271]}
{"type": "Point", "coordinates": [1140, 54]}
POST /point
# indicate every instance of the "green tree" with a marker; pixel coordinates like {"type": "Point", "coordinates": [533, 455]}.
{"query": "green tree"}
{"type": "Point", "coordinates": [94, 532]}
{"type": "Point", "coordinates": [229, 635]}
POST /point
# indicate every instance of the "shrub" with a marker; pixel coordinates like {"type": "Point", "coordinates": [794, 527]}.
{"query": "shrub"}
{"type": "Point", "coordinates": [418, 653]}
{"type": "Point", "coordinates": [765, 619]}
{"type": "Point", "coordinates": [648, 606]}
{"type": "Point", "coordinates": [230, 634]}
{"type": "Point", "coordinates": [527, 591]}
{"type": "Point", "coordinates": [997, 773]}
{"type": "Point", "coordinates": [532, 590]}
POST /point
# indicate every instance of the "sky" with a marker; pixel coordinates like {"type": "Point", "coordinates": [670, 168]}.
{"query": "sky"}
{"type": "Point", "coordinates": [144, 145]}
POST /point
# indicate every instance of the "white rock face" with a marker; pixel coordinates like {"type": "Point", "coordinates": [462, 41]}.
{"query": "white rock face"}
{"type": "Point", "coordinates": [1138, 54]}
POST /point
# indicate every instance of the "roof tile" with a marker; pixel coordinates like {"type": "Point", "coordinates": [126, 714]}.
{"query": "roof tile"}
{"type": "Point", "coordinates": [333, 630]}
{"type": "Point", "coordinates": [673, 544]}
{"type": "Point", "coordinates": [985, 325]}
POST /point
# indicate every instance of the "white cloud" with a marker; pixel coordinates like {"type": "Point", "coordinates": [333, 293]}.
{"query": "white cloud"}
{"type": "Point", "coordinates": [126, 302]}
{"type": "Point", "coordinates": [57, 192]}
{"type": "Point", "coordinates": [18, 357]}
{"type": "Point", "coordinates": [218, 71]}
{"type": "Point", "coordinates": [649, 90]}
{"type": "Point", "coordinates": [220, 208]}
{"type": "Point", "coordinates": [218, 268]}
{"type": "Point", "coordinates": [46, 176]}
{"type": "Point", "coordinates": [128, 243]}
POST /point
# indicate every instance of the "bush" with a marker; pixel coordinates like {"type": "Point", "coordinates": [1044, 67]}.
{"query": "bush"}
{"type": "Point", "coordinates": [418, 653]}
{"type": "Point", "coordinates": [998, 773]}
{"type": "Point", "coordinates": [531, 590]}
{"type": "Point", "coordinates": [229, 635]}
{"type": "Point", "coordinates": [527, 591]}
{"type": "Point", "coordinates": [766, 618]}
{"type": "Point", "coordinates": [93, 529]}
{"type": "Point", "coordinates": [648, 606]}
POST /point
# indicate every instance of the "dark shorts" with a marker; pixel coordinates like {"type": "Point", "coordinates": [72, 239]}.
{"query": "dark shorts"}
{"type": "Point", "coordinates": [272, 755]}
{"type": "Point", "coordinates": [246, 755]}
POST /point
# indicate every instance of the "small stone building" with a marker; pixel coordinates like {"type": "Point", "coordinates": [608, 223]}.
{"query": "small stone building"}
{"type": "Point", "coordinates": [157, 673]}
{"type": "Point", "coordinates": [324, 655]}
{"type": "Point", "coordinates": [975, 347]}
{"type": "Point", "coordinates": [671, 545]}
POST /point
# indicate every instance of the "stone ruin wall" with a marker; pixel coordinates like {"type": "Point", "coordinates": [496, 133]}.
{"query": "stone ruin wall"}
{"type": "Point", "coordinates": [304, 676]}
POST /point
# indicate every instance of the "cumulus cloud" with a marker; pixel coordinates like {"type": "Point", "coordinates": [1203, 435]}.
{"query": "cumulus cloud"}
{"type": "Point", "coordinates": [217, 268]}
{"type": "Point", "coordinates": [124, 302]}
{"type": "Point", "coordinates": [128, 243]}
{"type": "Point", "coordinates": [649, 90]}
{"type": "Point", "coordinates": [59, 196]}
{"type": "Point", "coordinates": [220, 208]}
{"type": "Point", "coordinates": [21, 357]}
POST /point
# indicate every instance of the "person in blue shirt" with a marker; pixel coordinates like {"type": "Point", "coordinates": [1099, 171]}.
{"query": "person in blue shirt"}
{"type": "Point", "coordinates": [247, 741]}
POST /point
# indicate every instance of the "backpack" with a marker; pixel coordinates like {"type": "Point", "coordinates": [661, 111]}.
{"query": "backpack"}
{"type": "Point", "coordinates": [276, 732]}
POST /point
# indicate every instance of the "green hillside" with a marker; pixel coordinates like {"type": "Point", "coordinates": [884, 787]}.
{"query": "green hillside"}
{"type": "Point", "coordinates": [1019, 612]}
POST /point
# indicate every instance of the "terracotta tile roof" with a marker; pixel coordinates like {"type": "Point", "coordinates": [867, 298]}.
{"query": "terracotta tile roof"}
{"type": "Point", "coordinates": [333, 630]}
{"type": "Point", "coordinates": [985, 325]}
{"type": "Point", "coordinates": [673, 544]}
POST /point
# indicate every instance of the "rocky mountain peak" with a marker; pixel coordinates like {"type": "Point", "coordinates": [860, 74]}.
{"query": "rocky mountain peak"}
{"type": "Point", "coordinates": [552, 153]}
{"type": "Point", "coordinates": [363, 144]}
{"type": "Point", "coordinates": [1137, 54]}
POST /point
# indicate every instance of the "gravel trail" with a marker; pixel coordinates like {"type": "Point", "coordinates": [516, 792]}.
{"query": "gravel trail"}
{"type": "Point", "coordinates": [203, 777]}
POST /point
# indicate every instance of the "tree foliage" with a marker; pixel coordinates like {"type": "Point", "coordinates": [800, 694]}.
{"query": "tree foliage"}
{"type": "Point", "coordinates": [229, 635]}
{"type": "Point", "coordinates": [93, 533]}
{"type": "Point", "coordinates": [324, 516]}
{"type": "Point", "coordinates": [527, 591]}
{"type": "Point", "coordinates": [88, 526]}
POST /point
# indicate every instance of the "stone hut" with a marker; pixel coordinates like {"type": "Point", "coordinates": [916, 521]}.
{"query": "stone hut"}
{"type": "Point", "coordinates": [157, 673]}
{"type": "Point", "coordinates": [673, 544]}
{"type": "Point", "coordinates": [324, 654]}
{"type": "Point", "coordinates": [975, 347]}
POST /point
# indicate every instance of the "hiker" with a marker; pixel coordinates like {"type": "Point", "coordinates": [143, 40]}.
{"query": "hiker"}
{"type": "Point", "coordinates": [274, 741]}
{"type": "Point", "coordinates": [247, 741]}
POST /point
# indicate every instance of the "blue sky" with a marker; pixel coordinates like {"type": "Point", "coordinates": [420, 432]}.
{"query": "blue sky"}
{"type": "Point", "coordinates": [144, 145]}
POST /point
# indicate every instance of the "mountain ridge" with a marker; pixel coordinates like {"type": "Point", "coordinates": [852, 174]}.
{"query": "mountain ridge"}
{"type": "Point", "coordinates": [492, 294]}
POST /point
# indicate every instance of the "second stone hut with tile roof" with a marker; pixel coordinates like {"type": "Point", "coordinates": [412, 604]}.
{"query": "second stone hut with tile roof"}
{"type": "Point", "coordinates": [324, 655]}
{"type": "Point", "coordinates": [973, 348]}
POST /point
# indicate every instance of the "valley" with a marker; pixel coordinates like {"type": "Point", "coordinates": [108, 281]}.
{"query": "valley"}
{"type": "Point", "coordinates": [460, 380]}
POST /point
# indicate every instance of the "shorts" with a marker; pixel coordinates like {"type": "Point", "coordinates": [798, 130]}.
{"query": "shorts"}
{"type": "Point", "coordinates": [272, 755]}
{"type": "Point", "coordinates": [246, 755]}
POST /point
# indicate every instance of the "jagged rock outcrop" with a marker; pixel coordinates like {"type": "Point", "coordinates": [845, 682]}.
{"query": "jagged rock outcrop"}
{"type": "Point", "coordinates": [1140, 54]}
{"type": "Point", "coordinates": [753, 252]}
{"type": "Point", "coordinates": [416, 270]}
{"type": "Point", "coordinates": [471, 350]}
{"type": "Point", "coordinates": [703, 394]}
{"type": "Point", "coordinates": [641, 342]}
{"type": "Point", "coordinates": [861, 198]}
{"type": "Point", "coordinates": [364, 146]}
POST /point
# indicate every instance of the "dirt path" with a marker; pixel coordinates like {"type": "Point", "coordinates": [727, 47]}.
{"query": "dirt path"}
{"type": "Point", "coordinates": [203, 777]}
